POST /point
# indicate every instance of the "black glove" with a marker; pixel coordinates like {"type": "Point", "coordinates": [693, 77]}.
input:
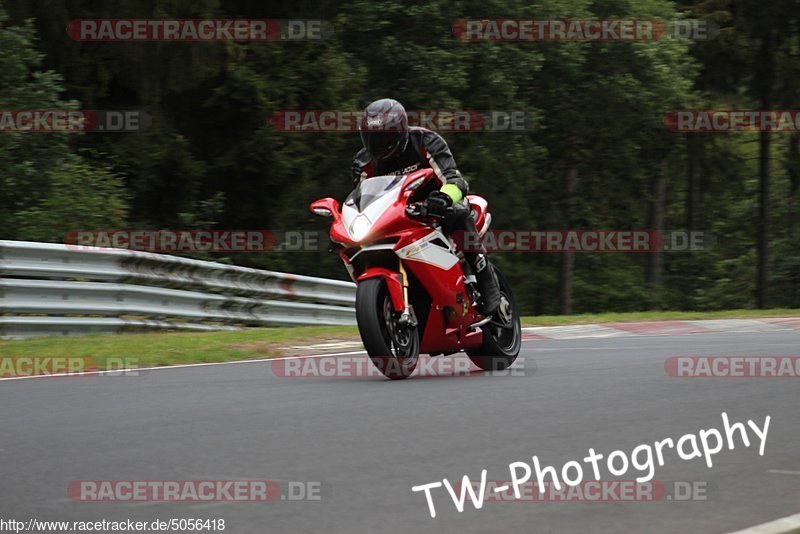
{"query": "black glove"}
{"type": "Point", "coordinates": [437, 203]}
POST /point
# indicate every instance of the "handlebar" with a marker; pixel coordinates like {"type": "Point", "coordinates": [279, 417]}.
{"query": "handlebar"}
{"type": "Point", "coordinates": [417, 209]}
{"type": "Point", "coordinates": [420, 209]}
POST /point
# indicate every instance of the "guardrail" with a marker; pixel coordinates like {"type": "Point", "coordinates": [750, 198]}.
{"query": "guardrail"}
{"type": "Point", "coordinates": [51, 289]}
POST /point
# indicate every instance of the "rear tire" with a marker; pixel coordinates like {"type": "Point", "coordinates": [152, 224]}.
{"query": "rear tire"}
{"type": "Point", "coordinates": [501, 345]}
{"type": "Point", "coordinates": [393, 348]}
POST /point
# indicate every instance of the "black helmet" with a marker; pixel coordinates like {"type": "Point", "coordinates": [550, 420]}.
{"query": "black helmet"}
{"type": "Point", "coordinates": [384, 128]}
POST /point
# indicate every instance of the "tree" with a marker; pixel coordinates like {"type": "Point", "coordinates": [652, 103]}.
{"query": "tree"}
{"type": "Point", "coordinates": [46, 187]}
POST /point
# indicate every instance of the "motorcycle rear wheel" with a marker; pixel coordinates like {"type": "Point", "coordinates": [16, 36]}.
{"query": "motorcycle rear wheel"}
{"type": "Point", "coordinates": [501, 344]}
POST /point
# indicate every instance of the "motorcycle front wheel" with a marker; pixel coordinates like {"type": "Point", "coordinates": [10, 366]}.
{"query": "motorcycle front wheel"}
{"type": "Point", "coordinates": [393, 347]}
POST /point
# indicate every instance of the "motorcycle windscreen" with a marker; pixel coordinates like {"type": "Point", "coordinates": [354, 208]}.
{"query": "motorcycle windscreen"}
{"type": "Point", "coordinates": [372, 189]}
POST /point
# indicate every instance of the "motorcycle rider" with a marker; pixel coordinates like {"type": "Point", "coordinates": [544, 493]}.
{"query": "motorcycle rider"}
{"type": "Point", "coordinates": [392, 147]}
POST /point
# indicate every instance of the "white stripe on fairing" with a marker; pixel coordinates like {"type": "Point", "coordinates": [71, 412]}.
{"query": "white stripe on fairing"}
{"type": "Point", "coordinates": [423, 251]}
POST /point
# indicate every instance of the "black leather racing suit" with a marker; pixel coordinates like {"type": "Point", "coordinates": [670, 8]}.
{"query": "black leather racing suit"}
{"type": "Point", "coordinates": [425, 149]}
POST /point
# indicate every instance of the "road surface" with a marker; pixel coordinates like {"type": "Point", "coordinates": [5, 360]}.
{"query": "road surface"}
{"type": "Point", "coordinates": [365, 442]}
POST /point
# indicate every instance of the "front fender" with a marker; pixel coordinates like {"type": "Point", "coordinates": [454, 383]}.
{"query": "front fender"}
{"type": "Point", "coordinates": [393, 283]}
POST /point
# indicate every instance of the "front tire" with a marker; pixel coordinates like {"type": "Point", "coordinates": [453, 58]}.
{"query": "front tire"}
{"type": "Point", "coordinates": [392, 347]}
{"type": "Point", "coordinates": [502, 337]}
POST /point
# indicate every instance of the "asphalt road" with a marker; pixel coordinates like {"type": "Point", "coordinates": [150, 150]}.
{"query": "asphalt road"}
{"type": "Point", "coordinates": [367, 441]}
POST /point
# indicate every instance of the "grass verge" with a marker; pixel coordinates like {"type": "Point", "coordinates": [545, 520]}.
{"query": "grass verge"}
{"type": "Point", "coordinates": [171, 348]}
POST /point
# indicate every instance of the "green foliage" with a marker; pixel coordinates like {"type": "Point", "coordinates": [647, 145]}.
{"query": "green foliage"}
{"type": "Point", "coordinates": [79, 197]}
{"type": "Point", "coordinates": [46, 187]}
{"type": "Point", "coordinates": [211, 158]}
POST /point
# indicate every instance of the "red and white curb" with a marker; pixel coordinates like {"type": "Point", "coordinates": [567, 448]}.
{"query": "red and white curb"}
{"type": "Point", "coordinates": [784, 525]}
{"type": "Point", "coordinates": [331, 345]}
{"type": "Point", "coordinates": [605, 330]}
{"type": "Point", "coordinates": [612, 330]}
{"type": "Point", "coordinates": [663, 328]}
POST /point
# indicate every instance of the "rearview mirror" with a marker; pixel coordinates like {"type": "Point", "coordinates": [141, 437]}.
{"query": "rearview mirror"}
{"type": "Point", "coordinates": [325, 206]}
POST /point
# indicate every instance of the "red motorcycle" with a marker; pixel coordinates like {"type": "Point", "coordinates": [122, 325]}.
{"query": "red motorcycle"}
{"type": "Point", "coordinates": [415, 292]}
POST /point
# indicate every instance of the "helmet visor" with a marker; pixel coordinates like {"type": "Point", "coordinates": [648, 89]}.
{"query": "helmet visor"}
{"type": "Point", "coordinates": [381, 144]}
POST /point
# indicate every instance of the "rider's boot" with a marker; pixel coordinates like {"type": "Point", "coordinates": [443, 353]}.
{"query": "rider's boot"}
{"type": "Point", "coordinates": [475, 254]}
{"type": "Point", "coordinates": [487, 283]}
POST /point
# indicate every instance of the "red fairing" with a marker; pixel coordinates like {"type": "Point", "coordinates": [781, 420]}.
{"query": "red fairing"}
{"type": "Point", "coordinates": [391, 236]}
{"type": "Point", "coordinates": [481, 207]}
{"type": "Point", "coordinates": [393, 282]}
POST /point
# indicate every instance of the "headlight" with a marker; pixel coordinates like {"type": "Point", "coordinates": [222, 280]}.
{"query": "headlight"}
{"type": "Point", "coordinates": [360, 227]}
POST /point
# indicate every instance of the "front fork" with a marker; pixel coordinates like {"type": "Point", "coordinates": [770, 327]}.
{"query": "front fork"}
{"type": "Point", "coordinates": [407, 317]}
